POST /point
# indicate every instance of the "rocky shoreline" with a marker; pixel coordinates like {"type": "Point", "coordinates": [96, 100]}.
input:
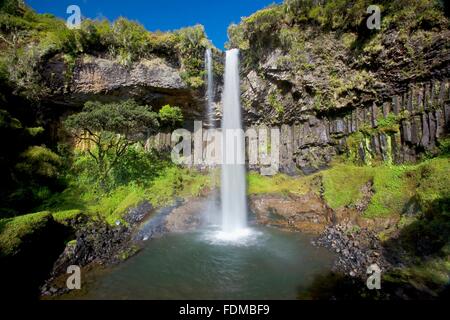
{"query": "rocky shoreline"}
{"type": "Point", "coordinates": [356, 248]}
{"type": "Point", "coordinates": [97, 243]}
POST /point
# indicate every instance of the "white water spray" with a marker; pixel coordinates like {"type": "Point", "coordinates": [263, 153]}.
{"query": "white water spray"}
{"type": "Point", "coordinates": [233, 185]}
{"type": "Point", "coordinates": [209, 87]}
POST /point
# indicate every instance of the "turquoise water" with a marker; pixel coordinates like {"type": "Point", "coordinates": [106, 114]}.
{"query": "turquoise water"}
{"type": "Point", "coordinates": [266, 264]}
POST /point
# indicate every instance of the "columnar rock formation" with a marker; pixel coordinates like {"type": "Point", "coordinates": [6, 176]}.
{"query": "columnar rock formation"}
{"type": "Point", "coordinates": [399, 130]}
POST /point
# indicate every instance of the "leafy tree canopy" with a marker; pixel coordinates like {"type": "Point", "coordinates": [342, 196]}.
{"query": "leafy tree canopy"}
{"type": "Point", "coordinates": [111, 128]}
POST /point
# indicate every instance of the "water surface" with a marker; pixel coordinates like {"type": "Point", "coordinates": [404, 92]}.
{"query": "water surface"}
{"type": "Point", "coordinates": [266, 264]}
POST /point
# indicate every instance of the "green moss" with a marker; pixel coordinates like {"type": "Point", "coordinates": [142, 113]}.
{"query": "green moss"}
{"type": "Point", "coordinates": [72, 243]}
{"type": "Point", "coordinates": [64, 217]}
{"type": "Point", "coordinates": [127, 253]}
{"type": "Point", "coordinates": [35, 131]}
{"type": "Point", "coordinates": [275, 103]}
{"type": "Point", "coordinates": [392, 191]}
{"type": "Point", "coordinates": [13, 230]}
{"type": "Point", "coordinates": [433, 185]}
{"type": "Point", "coordinates": [343, 183]}
{"type": "Point", "coordinates": [278, 184]}
{"type": "Point", "coordinates": [390, 124]}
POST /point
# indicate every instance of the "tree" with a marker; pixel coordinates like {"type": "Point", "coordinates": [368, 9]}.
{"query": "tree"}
{"type": "Point", "coordinates": [111, 128]}
{"type": "Point", "coordinates": [170, 117]}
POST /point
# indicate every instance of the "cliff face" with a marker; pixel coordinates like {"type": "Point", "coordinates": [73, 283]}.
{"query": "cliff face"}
{"type": "Point", "coordinates": [373, 95]}
{"type": "Point", "coordinates": [153, 81]}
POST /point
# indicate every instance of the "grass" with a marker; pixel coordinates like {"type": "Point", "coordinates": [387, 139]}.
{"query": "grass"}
{"type": "Point", "coordinates": [278, 184]}
{"type": "Point", "coordinates": [112, 206]}
{"type": "Point", "coordinates": [392, 189]}
{"type": "Point", "coordinates": [12, 230]}
{"type": "Point", "coordinates": [171, 183]}
{"type": "Point", "coordinates": [343, 183]}
{"type": "Point", "coordinates": [394, 186]}
{"type": "Point", "coordinates": [64, 217]}
{"type": "Point", "coordinates": [433, 183]}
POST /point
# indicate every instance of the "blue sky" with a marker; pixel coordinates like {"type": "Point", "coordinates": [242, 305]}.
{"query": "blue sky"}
{"type": "Point", "coordinates": [163, 15]}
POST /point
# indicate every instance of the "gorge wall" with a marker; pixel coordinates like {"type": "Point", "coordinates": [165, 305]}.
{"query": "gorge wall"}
{"type": "Point", "coordinates": [339, 88]}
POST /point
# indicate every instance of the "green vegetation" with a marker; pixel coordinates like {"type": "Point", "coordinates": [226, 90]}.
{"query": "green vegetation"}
{"type": "Point", "coordinates": [312, 37]}
{"type": "Point", "coordinates": [191, 44]}
{"type": "Point", "coordinates": [170, 118]}
{"type": "Point", "coordinates": [278, 184]}
{"type": "Point", "coordinates": [65, 217]}
{"type": "Point", "coordinates": [394, 187]}
{"type": "Point", "coordinates": [29, 38]}
{"type": "Point", "coordinates": [163, 189]}
{"type": "Point", "coordinates": [13, 230]}
{"type": "Point", "coordinates": [275, 103]}
{"type": "Point", "coordinates": [343, 183]}
{"type": "Point", "coordinates": [111, 128]}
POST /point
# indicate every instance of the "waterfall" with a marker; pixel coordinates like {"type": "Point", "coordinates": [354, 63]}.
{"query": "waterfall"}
{"type": "Point", "coordinates": [233, 184]}
{"type": "Point", "coordinates": [209, 87]}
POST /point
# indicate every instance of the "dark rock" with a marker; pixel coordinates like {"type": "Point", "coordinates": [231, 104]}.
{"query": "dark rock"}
{"type": "Point", "coordinates": [425, 141]}
{"type": "Point", "coordinates": [137, 214]}
{"type": "Point", "coordinates": [356, 249]}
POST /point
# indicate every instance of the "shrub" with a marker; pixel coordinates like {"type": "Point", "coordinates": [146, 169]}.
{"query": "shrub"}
{"type": "Point", "coordinates": [191, 44]}
{"type": "Point", "coordinates": [130, 40]}
{"type": "Point", "coordinates": [38, 161]}
{"type": "Point", "coordinates": [170, 117]}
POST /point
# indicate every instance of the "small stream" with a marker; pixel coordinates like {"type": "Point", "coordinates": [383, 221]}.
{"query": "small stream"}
{"type": "Point", "coordinates": [266, 264]}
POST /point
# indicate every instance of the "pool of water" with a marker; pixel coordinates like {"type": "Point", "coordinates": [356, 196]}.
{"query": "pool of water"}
{"type": "Point", "coordinates": [264, 263]}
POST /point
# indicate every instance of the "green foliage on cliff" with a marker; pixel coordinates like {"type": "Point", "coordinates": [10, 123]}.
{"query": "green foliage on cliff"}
{"type": "Point", "coordinates": [29, 39]}
{"type": "Point", "coordinates": [342, 15]}
{"type": "Point", "coordinates": [191, 44]}
{"type": "Point", "coordinates": [327, 45]}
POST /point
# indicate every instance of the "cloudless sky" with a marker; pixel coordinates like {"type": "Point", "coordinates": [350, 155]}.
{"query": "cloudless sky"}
{"type": "Point", "coordinates": [164, 15]}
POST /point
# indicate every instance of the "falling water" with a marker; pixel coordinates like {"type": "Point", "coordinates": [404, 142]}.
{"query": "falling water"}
{"type": "Point", "coordinates": [233, 186]}
{"type": "Point", "coordinates": [209, 86]}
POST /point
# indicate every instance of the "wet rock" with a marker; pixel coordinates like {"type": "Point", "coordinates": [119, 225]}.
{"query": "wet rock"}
{"type": "Point", "coordinates": [357, 248]}
{"type": "Point", "coordinates": [307, 213]}
{"type": "Point", "coordinates": [186, 216]}
{"type": "Point", "coordinates": [137, 214]}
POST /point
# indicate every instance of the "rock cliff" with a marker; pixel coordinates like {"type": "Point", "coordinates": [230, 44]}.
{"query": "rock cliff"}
{"type": "Point", "coordinates": [372, 95]}
{"type": "Point", "coordinates": [153, 81]}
